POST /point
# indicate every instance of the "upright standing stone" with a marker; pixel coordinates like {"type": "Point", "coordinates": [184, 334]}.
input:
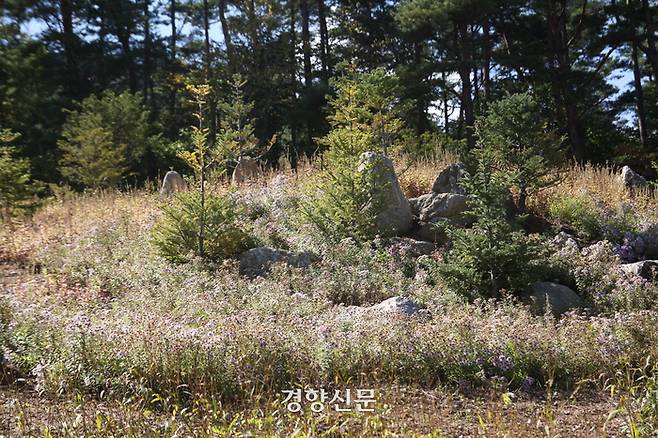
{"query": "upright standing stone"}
{"type": "Point", "coordinates": [172, 183]}
{"type": "Point", "coordinates": [246, 169]}
{"type": "Point", "coordinates": [395, 215]}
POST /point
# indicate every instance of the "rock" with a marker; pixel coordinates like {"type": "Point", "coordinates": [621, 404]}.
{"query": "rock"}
{"type": "Point", "coordinates": [247, 168]}
{"type": "Point", "coordinates": [258, 261]}
{"type": "Point", "coordinates": [647, 269]}
{"type": "Point", "coordinates": [559, 298]}
{"type": "Point", "coordinates": [432, 206]}
{"type": "Point", "coordinates": [448, 179]}
{"type": "Point", "coordinates": [172, 183]}
{"type": "Point", "coordinates": [405, 247]}
{"type": "Point", "coordinates": [395, 217]}
{"type": "Point", "coordinates": [600, 251]}
{"type": "Point", "coordinates": [631, 179]}
{"type": "Point", "coordinates": [400, 305]}
{"type": "Point", "coordinates": [433, 210]}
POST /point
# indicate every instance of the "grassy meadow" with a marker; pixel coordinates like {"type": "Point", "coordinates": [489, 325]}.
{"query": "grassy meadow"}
{"type": "Point", "coordinates": [103, 337]}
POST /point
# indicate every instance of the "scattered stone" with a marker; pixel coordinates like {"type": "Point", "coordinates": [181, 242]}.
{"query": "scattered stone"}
{"type": "Point", "coordinates": [563, 239]}
{"type": "Point", "coordinates": [647, 269]}
{"type": "Point", "coordinates": [448, 179]}
{"type": "Point", "coordinates": [247, 168]}
{"type": "Point", "coordinates": [395, 217]}
{"type": "Point", "coordinates": [172, 183]}
{"type": "Point", "coordinates": [559, 298]}
{"type": "Point", "coordinates": [599, 251]}
{"type": "Point", "coordinates": [631, 179]}
{"type": "Point", "coordinates": [258, 261]}
{"type": "Point", "coordinates": [405, 247]}
{"type": "Point", "coordinates": [400, 305]}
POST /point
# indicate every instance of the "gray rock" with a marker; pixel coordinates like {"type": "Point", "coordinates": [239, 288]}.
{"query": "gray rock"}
{"type": "Point", "coordinates": [559, 298]}
{"type": "Point", "coordinates": [432, 206]}
{"type": "Point", "coordinates": [258, 261]}
{"type": "Point", "coordinates": [448, 179]}
{"type": "Point", "coordinates": [647, 269]}
{"type": "Point", "coordinates": [172, 183]}
{"type": "Point", "coordinates": [405, 247]}
{"type": "Point", "coordinates": [631, 179]}
{"type": "Point", "coordinates": [247, 168]}
{"type": "Point", "coordinates": [399, 305]}
{"type": "Point", "coordinates": [600, 251]}
{"type": "Point", "coordinates": [395, 217]}
{"type": "Point", "coordinates": [565, 245]}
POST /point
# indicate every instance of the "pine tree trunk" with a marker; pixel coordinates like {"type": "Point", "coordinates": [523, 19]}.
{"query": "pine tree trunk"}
{"type": "Point", "coordinates": [225, 32]}
{"type": "Point", "coordinates": [487, 60]}
{"type": "Point", "coordinates": [563, 89]}
{"type": "Point", "coordinates": [306, 43]}
{"type": "Point", "coordinates": [147, 86]}
{"type": "Point", "coordinates": [173, 41]}
{"type": "Point", "coordinates": [324, 40]}
{"type": "Point", "coordinates": [466, 59]}
{"type": "Point", "coordinates": [293, 80]}
{"type": "Point", "coordinates": [639, 96]}
{"type": "Point", "coordinates": [68, 41]}
{"type": "Point", "coordinates": [212, 123]}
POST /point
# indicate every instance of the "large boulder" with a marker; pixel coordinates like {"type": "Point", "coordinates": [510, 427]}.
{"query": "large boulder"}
{"type": "Point", "coordinates": [395, 217]}
{"type": "Point", "coordinates": [258, 261]}
{"type": "Point", "coordinates": [434, 211]}
{"type": "Point", "coordinates": [397, 305]}
{"type": "Point", "coordinates": [448, 179]}
{"type": "Point", "coordinates": [631, 179]}
{"type": "Point", "coordinates": [647, 269]}
{"type": "Point", "coordinates": [247, 168]}
{"type": "Point", "coordinates": [432, 206]}
{"type": "Point", "coordinates": [172, 183]}
{"type": "Point", "coordinates": [557, 297]}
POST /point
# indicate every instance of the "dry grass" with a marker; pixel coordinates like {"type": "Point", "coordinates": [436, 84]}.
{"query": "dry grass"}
{"type": "Point", "coordinates": [600, 183]}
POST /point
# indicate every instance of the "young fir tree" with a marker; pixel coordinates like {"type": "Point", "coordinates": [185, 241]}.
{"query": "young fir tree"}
{"type": "Point", "coordinates": [200, 223]}
{"type": "Point", "coordinates": [236, 130]}
{"type": "Point", "coordinates": [522, 142]}
{"type": "Point", "coordinates": [349, 193]}
{"type": "Point", "coordinates": [493, 254]}
{"type": "Point", "coordinates": [107, 138]}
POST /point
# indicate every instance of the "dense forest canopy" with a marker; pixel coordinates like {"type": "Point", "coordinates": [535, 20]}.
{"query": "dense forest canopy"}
{"type": "Point", "coordinates": [67, 64]}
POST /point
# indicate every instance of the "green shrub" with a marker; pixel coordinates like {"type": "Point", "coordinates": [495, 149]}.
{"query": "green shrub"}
{"type": "Point", "coordinates": [579, 214]}
{"type": "Point", "coordinates": [493, 254]}
{"type": "Point", "coordinates": [17, 189]}
{"type": "Point", "coordinates": [106, 139]}
{"type": "Point", "coordinates": [176, 235]}
{"type": "Point", "coordinates": [589, 221]}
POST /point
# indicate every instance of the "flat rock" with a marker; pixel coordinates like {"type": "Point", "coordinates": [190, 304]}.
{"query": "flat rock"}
{"type": "Point", "coordinates": [405, 247]}
{"type": "Point", "coordinates": [647, 269]}
{"type": "Point", "coordinates": [432, 206]}
{"type": "Point", "coordinates": [258, 261]}
{"type": "Point", "coordinates": [559, 298]}
{"type": "Point", "coordinates": [397, 304]}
